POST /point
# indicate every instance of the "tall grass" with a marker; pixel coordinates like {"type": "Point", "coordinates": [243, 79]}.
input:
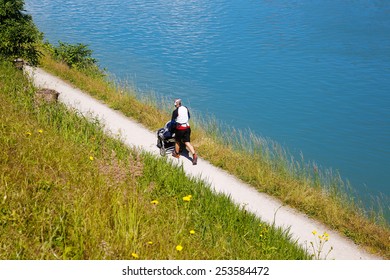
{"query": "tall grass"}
{"type": "Point", "coordinates": [321, 194]}
{"type": "Point", "coordinates": [68, 191]}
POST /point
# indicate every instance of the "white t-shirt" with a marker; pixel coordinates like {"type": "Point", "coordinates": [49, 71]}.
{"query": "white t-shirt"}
{"type": "Point", "coordinates": [182, 117]}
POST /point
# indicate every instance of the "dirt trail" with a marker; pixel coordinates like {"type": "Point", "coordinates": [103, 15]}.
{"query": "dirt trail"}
{"type": "Point", "coordinates": [265, 207]}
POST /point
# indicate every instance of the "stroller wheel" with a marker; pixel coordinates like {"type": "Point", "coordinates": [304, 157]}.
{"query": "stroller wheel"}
{"type": "Point", "coordinates": [162, 151]}
{"type": "Point", "coordinates": [159, 143]}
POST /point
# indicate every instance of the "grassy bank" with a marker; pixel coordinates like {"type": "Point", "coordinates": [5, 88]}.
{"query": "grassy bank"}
{"type": "Point", "coordinates": [261, 163]}
{"type": "Point", "coordinates": [67, 191]}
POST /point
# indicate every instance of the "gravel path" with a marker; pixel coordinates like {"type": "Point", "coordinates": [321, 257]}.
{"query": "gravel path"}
{"type": "Point", "coordinates": [265, 207]}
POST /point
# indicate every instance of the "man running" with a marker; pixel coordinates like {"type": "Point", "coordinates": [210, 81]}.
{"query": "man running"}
{"type": "Point", "coordinates": [181, 116]}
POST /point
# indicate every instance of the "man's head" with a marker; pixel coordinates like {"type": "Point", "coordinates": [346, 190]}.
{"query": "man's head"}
{"type": "Point", "coordinates": [177, 102]}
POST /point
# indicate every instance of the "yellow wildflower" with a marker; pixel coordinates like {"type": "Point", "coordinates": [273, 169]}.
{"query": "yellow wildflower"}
{"type": "Point", "coordinates": [325, 236]}
{"type": "Point", "coordinates": [150, 242]}
{"type": "Point", "coordinates": [187, 198]}
{"type": "Point", "coordinates": [135, 255]}
{"type": "Point", "coordinates": [155, 202]}
{"type": "Point", "coordinates": [91, 158]}
{"type": "Point", "coordinates": [314, 232]}
{"type": "Point", "coordinates": [179, 248]}
{"type": "Point", "coordinates": [28, 133]}
{"type": "Point", "coordinates": [40, 131]}
{"type": "Point", "coordinates": [192, 231]}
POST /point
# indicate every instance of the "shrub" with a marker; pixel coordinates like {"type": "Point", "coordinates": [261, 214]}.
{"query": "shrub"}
{"type": "Point", "coordinates": [77, 56]}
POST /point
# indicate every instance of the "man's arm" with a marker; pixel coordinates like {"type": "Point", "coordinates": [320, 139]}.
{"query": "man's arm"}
{"type": "Point", "coordinates": [175, 114]}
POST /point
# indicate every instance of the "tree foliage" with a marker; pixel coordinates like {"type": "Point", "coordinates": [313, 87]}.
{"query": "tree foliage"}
{"type": "Point", "coordinates": [19, 37]}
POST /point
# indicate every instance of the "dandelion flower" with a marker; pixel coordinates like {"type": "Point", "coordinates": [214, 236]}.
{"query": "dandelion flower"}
{"type": "Point", "coordinates": [40, 131]}
{"type": "Point", "coordinates": [135, 255]}
{"type": "Point", "coordinates": [187, 198]}
{"type": "Point", "coordinates": [192, 231]}
{"type": "Point", "coordinates": [155, 202]}
{"type": "Point", "coordinates": [91, 158]}
{"type": "Point", "coordinates": [150, 243]}
{"type": "Point", "coordinates": [179, 248]}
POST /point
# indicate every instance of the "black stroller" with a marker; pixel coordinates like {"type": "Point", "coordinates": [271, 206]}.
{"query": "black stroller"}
{"type": "Point", "coordinates": [166, 138]}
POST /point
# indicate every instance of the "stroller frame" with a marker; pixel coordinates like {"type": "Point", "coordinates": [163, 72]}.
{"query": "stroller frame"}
{"type": "Point", "coordinates": [166, 139]}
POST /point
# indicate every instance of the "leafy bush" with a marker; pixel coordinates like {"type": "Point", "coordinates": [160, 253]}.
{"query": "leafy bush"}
{"type": "Point", "coordinates": [19, 35]}
{"type": "Point", "coordinates": [77, 56]}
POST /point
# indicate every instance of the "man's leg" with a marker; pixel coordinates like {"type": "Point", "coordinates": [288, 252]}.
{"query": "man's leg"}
{"type": "Point", "coordinates": [192, 150]}
{"type": "Point", "coordinates": [176, 152]}
{"type": "Point", "coordinates": [177, 147]}
{"type": "Point", "coordinates": [190, 147]}
{"type": "Point", "coordinates": [178, 137]}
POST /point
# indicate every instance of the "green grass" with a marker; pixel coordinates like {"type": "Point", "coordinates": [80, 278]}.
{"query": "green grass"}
{"type": "Point", "coordinates": [68, 191]}
{"type": "Point", "coordinates": [321, 194]}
